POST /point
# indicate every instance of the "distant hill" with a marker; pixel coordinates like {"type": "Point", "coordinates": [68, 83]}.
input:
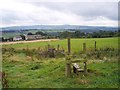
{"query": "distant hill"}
{"type": "Point", "coordinates": [60, 27]}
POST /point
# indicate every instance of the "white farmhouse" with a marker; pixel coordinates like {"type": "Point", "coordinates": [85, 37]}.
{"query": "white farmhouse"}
{"type": "Point", "coordinates": [17, 38]}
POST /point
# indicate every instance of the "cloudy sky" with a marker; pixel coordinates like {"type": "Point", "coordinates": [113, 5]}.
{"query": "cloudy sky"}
{"type": "Point", "coordinates": [58, 12]}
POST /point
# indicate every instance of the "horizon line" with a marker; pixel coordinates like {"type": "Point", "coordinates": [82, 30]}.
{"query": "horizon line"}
{"type": "Point", "coordinates": [57, 25]}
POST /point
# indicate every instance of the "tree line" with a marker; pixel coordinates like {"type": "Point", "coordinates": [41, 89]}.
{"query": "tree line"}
{"type": "Point", "coordinates": [72, 34]}
{"type": "Point", "coordinates": [99, 34]}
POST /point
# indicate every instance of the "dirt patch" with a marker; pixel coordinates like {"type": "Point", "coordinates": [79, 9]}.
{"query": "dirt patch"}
{"type": "Point", "coordinates": [17, 42]}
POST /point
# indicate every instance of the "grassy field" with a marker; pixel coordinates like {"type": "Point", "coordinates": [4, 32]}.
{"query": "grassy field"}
{"type": "Point", "coordinates": [13, 34]}
{"type": "Point", "coordinates": [76, 44]}
{"type": "Point", "coordinates": [22, 71]}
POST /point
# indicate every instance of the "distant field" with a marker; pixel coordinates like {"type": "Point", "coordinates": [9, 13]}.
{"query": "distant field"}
{"type": "Point", "coordinates": [12, 34]}
{"type": "Point", "coordinates": [17, 33]}
{"type": "Point", "coordinates": [76, 44]}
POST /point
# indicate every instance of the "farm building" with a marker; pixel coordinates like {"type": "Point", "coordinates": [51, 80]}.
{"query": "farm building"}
{"type": "Point", "coordinates": [34, 37]}
{"type": "Point", "coordinates": [17, 38]}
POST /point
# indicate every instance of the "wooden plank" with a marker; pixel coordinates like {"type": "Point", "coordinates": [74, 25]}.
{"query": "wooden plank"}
{"type": "Point", "coordinates": [76, 68]}
{"type": "Point", "coordinates": [76, 65]}
{"type": "Point", "coordinates": [75, 61]}
{"type": "Point", "coordinates": [80, 70]}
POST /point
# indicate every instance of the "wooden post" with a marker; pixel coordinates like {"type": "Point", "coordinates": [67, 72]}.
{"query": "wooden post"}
{"type": "Point", "coordinates": [27, 47]}
{"type": "Point", "coordinates": [74, 70]}
{"type": "Point", "coordinates": [85, 67]}
{"type": "Point", "coordinates": [28, 51]}
{"type": "Point", "coordinates": [69, 47]}
{"type": "Point", "coordinates": [4, 80]}
{"type": "Point", "coordinates": [95, 46]}
{"type": "Point", "coordinates": [68, 66]}
{"type": "Point", "coordinates": [48, 46]}
{"type": "Point", "coordinates": [68, 69]}
{"type": "Point", "coordinates": [58, 47]}
{"type": "Point", "coordinates": [84, 47]}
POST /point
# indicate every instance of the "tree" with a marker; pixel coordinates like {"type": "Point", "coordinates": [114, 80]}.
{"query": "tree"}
{"type": "Point", "coordinates": [96, 35]}
{"type": "Point", "coordinates": [23, 37]}
{"type": "Point", "coordinates": [77, 34]}
{"type": "Point", "coordinates": [40, 33]}
{"type": "Point", "coordinates": [29, 33]}
{"type": "Point", "coordinates": [65, 34]}
{"type": "Point", "coordinates": [3, 39]}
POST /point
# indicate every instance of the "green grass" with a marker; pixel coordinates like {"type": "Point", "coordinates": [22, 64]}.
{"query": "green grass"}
{"type": "Point", "coordinates": [23, 72]}
{"type": "Point", "coordinates": [50, 73]}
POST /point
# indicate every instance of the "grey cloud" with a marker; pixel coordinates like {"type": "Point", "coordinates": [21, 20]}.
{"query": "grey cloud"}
{"type": "Point", "coordinates": [59, 13]}
{"type": "Point", "coordinates": [9, 17]}
{"type": "Point", "coordinates": [85, 9]}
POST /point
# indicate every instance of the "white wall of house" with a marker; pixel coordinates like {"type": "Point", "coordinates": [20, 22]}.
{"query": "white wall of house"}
{"type": "Point", "coordinates": [17, 38]}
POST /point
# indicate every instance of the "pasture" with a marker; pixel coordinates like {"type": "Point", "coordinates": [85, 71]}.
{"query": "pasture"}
{"type": "Point", "coordinates": [76, 44]}
{"type": "Point", "coordinates": [24, 72]}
